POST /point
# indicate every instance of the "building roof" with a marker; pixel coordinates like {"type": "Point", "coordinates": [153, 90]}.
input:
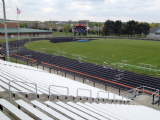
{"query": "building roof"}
{"type": "Point", "coordinates": [154, 29]}
{"type": "Point", "coordinates": [24, 30]}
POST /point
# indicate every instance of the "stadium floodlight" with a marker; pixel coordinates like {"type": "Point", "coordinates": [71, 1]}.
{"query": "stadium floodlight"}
{"type": "Point", "coordinates": [6, 34]}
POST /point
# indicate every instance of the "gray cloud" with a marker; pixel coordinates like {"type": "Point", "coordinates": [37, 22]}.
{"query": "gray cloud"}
{"type": "Point", "coordinates": [94, 10]}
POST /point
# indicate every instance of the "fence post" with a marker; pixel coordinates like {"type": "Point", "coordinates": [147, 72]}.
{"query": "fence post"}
{"type": "Point", "coordinates": [105, 87]}
{"type": "Point", "coordinates": [153, 99]}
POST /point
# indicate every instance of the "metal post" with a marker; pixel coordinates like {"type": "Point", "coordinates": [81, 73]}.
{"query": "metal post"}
{"type": "Point", "coordinates": [74, 78]}
{"type": "Point", "coordinates": [106, 87]}
{"type": "Point", "coordinates": [94, 84]}
{"type": "Point", "coordinates": [6, 34]}
{"type": "Point", "coordinates": [119, 91]}
{"type": "Point", "coordinates": [10, 92]}
{"type": "Point", "coordinates": [153, 99]}
{"type": "Point", "coordinates": [60, 87]}
{"type": "Point", "coordinates": [103, 92]}
{"type": "Point", "coordinates": [87, 90]}
{"type": "Point", "coordinates": [36, 90]}
{"type": "Point", "coordinates": [158, 97]}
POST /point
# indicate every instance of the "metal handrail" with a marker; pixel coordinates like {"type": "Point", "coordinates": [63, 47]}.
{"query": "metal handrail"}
{"type": "Point", "coordinates": [87, 90]}
{"type": "Point", "coordinates": [14, 81]}
{"type": "Point", "coordinates": [103, 92]}
{"type": "Point", "coordinates": [60, 87]}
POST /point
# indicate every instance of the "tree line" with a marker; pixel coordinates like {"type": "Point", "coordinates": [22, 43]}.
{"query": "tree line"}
{"type": "Point", "coordinates": [131, 28]}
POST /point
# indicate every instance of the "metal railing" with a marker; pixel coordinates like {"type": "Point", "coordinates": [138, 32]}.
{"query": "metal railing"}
{"type": "Point", "coordinates": [14, 81]}
{"type": "Point", "coordinates": [86, 90]}
{"type": "Point", "coordinates": [119, 76]}
{"type": "Point", "coordinates": [103, 92]}
{"type": "Point", "coordinates": [60, 87]}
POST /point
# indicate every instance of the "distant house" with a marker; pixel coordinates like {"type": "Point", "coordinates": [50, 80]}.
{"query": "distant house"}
{"type": "Point", "coordinates": [153, 30]}
{"type": "Point", "coordinates": [30, 25]}
{"type": "Point", "coordinates": [157, 32]}
{"type": "Point", "coordinates": [59, 28]}
{"type": "Point", "coordinates": [41, 26]}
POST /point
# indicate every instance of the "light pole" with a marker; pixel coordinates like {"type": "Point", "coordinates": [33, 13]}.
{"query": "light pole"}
{"type": "Point", "coordinates": [6, 34]}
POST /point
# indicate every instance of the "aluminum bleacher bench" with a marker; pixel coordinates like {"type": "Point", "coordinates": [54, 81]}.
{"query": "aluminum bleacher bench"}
{"type": "Point", "coordinates": [108, 111]}
{"type": "Point", "coordinates": [6, 86]}
{"type": "Point", "coordinates": [14, 110]}
{"type": "Point", "coordinates": [112, 117]}
{"type": "Point", "coordinates": [65, 111]}
{"type": "Point", "coordinates": [3, 116]}
{"type": "Point", "coordinates": [74, 110]}
{"type": "Point", "coordinates": [33, 110]}
{"type": "Point", "coordinates": [41, 89]}
{"type": "Point", "coordinates": [92, 113]}
{"type": "Point", "coordinates": [49, 110]}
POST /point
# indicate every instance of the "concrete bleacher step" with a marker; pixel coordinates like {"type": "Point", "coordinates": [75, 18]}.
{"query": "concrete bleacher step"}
{"type": "Point", "coordinates": [38, 114]}
{"type": "Point", "coordinates": [3, 116]}
{"type": "Point", "coordinates": [6, 106]}
{"type": "Point", "coordinates": [1, 89]}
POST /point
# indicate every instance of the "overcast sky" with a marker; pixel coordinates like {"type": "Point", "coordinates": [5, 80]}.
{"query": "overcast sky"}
{"type": "Point", "coordinates": [93, 10]}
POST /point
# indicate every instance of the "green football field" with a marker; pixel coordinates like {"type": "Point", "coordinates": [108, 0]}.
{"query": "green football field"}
{"type": "Point", "coordinates": [100, 50]}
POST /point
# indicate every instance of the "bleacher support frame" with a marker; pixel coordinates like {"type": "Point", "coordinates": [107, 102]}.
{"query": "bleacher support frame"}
{"type": "Point", "coordinates": [60, 87]}
{"type": "Point", "coordinates": [14, 81]}
{"type": "Point", "coordinates": [86, 90]}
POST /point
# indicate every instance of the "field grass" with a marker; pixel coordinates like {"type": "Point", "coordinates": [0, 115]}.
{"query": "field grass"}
{"type": "Point", "coordinates": [100, 50]}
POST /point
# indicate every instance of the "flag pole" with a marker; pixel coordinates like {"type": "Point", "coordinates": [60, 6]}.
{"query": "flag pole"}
{"type": "Point", "coordinates": [6, 34]}
{"type": "Point", "coordinates": [17, 27]}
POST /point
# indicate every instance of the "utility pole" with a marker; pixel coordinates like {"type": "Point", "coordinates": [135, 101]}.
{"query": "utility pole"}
{"type": "Point", "coordinates": [6, 34]}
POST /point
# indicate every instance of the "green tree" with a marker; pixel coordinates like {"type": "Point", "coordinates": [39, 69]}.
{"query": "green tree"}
{"type": "Point", "coordinates": [66, 27]}
{"type": "Point", "coordinates": [146, 28]}
{"type": "Point", "coordinates": [131, 27]}
{"type": "Point", "coordinates": [117, 27]}
{"type": "Point", "coordinates": [35, 25]}
{"type": "Point", "coordinates": [108, 27]}
{"type": "Point", "coordinates": [23, 25]}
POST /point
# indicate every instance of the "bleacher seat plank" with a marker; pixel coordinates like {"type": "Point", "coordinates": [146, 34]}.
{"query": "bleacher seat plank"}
{"type": "Point", "coordinates": [63, 110]}
{"type": "Point", "coordinates": [33, 110]}
{"type": "Point", "coordinates": [49, 110]}
{"type": "Point", "coordinates": [108, 111]}
{"type": "Point", "coordinates": [100, 112]}
{"type": "Point", "coordinates": [6, 86]}
{"type": "Point", "coordinates": [18, 113]}
{"type": "Point", "coordinates": [85, 115]}
{"type": "Point", "coordinates": [88, 111]}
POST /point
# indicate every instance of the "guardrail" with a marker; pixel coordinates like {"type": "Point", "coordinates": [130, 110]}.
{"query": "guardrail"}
{"type": "Point", "coordinates": [60, 87]}
{"type": "Point", "coordinates": [14, 81]}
